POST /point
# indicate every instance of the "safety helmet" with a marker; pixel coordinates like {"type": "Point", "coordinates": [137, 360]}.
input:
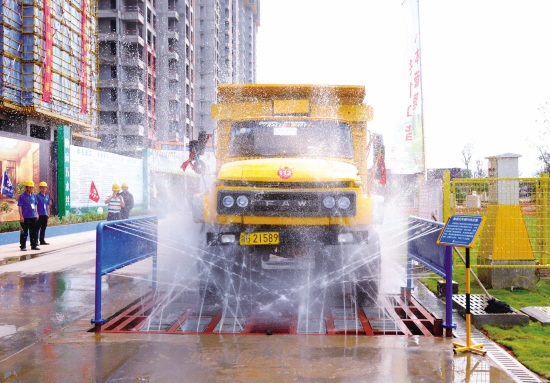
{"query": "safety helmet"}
{"type": "Point", "coordinates": [43, 184]}
{"type": "Point", "coordinates": [29, 183]}
{"type": "Point", "coordinates": [124, 185]}
{"type": "Point", "coordinates": [116, 187]}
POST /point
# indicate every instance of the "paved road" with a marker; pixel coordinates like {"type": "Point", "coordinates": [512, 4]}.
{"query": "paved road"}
{"type": "Point", "coordinates": [47, 303]}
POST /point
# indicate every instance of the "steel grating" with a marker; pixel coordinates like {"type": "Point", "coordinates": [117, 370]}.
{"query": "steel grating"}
{"type": "Point", "coordinates": [185, 314]}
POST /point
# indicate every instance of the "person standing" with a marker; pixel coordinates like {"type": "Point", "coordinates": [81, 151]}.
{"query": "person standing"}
{"type": "Point", "coordinates": [114, 204]}
{"type": "Point", "coordinates": [43, 210]}
{"type": "Point", "coordinates": [27, 217]}
{"type": "Point", "coordinates": [128, 201]}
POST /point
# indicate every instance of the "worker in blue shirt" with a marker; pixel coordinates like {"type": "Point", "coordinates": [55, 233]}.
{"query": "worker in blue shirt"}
{"type": "Point", "coordinates": [43, 210]}
{"type": "Point", "coordinates": [28, 217]}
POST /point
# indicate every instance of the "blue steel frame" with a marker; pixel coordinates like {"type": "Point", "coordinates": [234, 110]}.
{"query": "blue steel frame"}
{"type": "Point", "coordinates": [439, 259]}
{"type": "Point", "coordinates": [118, 244]}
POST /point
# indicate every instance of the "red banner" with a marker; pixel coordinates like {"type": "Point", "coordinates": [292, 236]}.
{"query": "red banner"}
{"type": "Point", "coordinates": [84, 63]}
{"type": "Point", "coordinates": [47, 88]}
{"type": "Point", "coordinates": [94, 195]}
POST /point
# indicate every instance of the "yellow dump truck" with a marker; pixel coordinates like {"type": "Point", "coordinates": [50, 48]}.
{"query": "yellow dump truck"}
{"type": "Point", "coordinates": [291, 187]}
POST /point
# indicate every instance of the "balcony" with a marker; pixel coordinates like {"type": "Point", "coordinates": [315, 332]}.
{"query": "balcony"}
{"type": "Point", "coordinates": [132, 13]}
{"type": "Point", "coordinates": [172, 116]}
{"type": "Point", "coordinates": [111, 83]}
{"type": "Point", "coordinates": [109, 128]}
{"type": "Point", "coordinates": [133, 84]}
{"type": "Point", "coordinates": [109, 59]}
{"type": "Point", "coordinates": [173, 75]}
{"type": "Point", "coordinates": [133, 36]}
{"type": "Point", "coordinates": [173, 33]}
{"type": "Point", "coordinates": [133, 130]}
{"type": "Point", "coordinates": [110, 36]}
{"type": "Point", "coordinates": [173, 97]}
{"type": "Point", "coordinates": [173, 12]}
{"type": "Point", "coordinates": [109, 106]}
{"type": "Point", "coordinates": [132, 107]}
{"type": "Point", "coordinates": [133, 59]}
{"type": "Point", "coordinates": [110, 13]}
{"type": "Point", "coordinates": [173, 55]}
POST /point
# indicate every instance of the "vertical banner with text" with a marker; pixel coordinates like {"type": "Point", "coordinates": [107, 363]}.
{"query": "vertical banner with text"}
{"type": "Point", "coordinates": [84, 63]}
{"type": "Point", "coordinates": [64, 169]}
{"type": "Point", "coordinates": [408, 151]}
{"type": "Point", "coordinates": [48, 39]}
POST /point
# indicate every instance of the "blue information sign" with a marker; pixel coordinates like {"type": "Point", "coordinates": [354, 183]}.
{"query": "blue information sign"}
{"type": "Point", "coordinates": [461, 231]}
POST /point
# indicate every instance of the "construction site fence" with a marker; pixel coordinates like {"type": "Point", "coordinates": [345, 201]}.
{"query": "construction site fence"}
{"type": "Point", "coordinates": [518, 206]}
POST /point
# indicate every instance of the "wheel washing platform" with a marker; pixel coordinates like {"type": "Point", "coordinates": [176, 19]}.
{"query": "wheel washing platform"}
{"type": "Point", "coordinates": [186, 314]}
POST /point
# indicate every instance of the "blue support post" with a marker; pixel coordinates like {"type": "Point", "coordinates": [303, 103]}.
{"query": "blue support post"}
{"type": "Point", "coordinates": [449, 292]}
{"type": "Point", "coordinates": [154, 285]}
{"type": "Point", "coordinates": [98, 321]}
{"type": "Point", "coordinates": [409, 273]}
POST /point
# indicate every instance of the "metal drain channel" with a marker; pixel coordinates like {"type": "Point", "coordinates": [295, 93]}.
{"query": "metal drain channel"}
{"type": "Point", "coordinates": [185, 314]}
{"type": "Point", "coordinates": [508, 363]}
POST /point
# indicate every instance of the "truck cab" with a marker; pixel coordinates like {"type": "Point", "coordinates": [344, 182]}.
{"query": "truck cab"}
{"type": "Point", "coordinates": [291, 188]}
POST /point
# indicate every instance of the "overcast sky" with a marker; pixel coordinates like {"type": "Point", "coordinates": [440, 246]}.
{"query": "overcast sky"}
{"type": "Point", "coordinates": [485, 67]}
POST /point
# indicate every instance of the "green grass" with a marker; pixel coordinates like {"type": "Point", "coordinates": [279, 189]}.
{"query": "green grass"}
{"type": "Point", "coordinates": [529, 343]}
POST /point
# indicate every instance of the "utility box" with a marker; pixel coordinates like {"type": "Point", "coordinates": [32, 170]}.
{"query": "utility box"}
{"type": "Point", "coordinates": [504, 240]}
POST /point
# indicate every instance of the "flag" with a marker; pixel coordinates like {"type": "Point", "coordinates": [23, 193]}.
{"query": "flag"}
{"type": "Point", "coordinates": [7, 188]}
{"type": "Point", "coordinates": [94, 195]}
{"type": "Point", "coordinates": [189, 161]}
{"type": "Point", "coordinates": [382, 165]}
{"type": "Point", "coordinates": [380, 158]}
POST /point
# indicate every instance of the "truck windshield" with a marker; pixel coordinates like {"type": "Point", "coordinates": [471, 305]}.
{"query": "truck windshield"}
{"type": "Point", "coordinates": [309, 138]}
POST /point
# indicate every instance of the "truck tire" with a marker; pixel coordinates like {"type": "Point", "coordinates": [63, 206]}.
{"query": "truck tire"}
{"type": "Point", "coordinates": [351, 272]}
{"type": "Point", "coordinates": [367, 276]}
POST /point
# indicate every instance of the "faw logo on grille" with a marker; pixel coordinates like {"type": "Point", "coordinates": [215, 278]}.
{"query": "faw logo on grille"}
{"type": "Point", "coordinates": [284, 173]}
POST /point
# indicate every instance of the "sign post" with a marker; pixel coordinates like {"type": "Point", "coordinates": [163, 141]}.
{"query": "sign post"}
{"type": "Point", "coordinates": [462, 231]}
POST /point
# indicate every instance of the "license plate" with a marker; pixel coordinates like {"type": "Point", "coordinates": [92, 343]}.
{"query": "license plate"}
{"type": "Point", "coordinates": [266, 238]}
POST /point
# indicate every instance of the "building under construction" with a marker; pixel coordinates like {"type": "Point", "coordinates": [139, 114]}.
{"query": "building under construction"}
{"type": "Point", "coordinates": [49, 68]}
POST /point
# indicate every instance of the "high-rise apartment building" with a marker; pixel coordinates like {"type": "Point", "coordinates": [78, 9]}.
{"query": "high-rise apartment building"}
{"type": "Point", "coordinates": [149, 91]}
{"type": "Point", "coordinates": [226, 50]}
{"type": "Point", "coordinates": [146, 53]}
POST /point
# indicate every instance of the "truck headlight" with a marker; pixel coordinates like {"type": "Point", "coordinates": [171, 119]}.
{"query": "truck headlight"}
{"type": "Point", "coordinates": [228, 238]}
{"type": "Point", "coordinates": [345, 237]}
{"type": "Point", "coordinates": [329, 202]}
{"type": "Point", "coordinates": [228, 201]}
{"type": "Point", "coordinates": [242, 201]}
{"type": "Point", "coordinates": [343, 202]}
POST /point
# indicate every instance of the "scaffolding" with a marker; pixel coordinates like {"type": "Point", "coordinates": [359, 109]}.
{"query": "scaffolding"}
{"type": "Point", "coordinates": [74, 68]}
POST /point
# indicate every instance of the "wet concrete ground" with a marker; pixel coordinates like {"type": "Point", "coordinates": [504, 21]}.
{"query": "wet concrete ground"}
{"type": "Point", "coordinates": [47, 303]}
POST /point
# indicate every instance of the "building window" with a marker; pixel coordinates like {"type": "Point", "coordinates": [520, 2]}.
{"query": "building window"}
{"type": "Point", "coordinates": [113, 71]}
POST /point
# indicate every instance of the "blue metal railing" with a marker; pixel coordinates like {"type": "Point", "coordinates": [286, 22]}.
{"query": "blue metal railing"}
{"type": "Point", "coordinates": [423, 247]}
{"type": "Point", "coordinates": [121, 243]}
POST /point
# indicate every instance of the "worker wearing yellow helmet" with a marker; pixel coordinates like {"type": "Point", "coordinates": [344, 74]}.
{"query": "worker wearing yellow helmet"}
{"type": "Point", "coordinates": [28, 217]}
{"type": "Point", "coordinates": [128, 201]}
{"type": "Point", "coordinates": [43, 209]}
{"type": "Point", "coordinates": [114, 204]}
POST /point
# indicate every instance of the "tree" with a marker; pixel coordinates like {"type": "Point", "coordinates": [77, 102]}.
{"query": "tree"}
{"type": "Point", "coordinates": [544, 135]}
{"type": "Point", "coordinates": [480, 172]}
{"type": "Point", "coordinates": [466, 158]}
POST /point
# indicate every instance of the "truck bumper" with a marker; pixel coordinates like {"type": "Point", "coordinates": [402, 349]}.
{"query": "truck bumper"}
{"type": "Point", "coordinates": [296, 236]}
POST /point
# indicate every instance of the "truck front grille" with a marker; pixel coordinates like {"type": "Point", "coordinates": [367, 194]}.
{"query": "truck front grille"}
{"type": "Point", "coordinates": [289, 185]}
{"type": "Point", "coordinates": [271, 203]}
